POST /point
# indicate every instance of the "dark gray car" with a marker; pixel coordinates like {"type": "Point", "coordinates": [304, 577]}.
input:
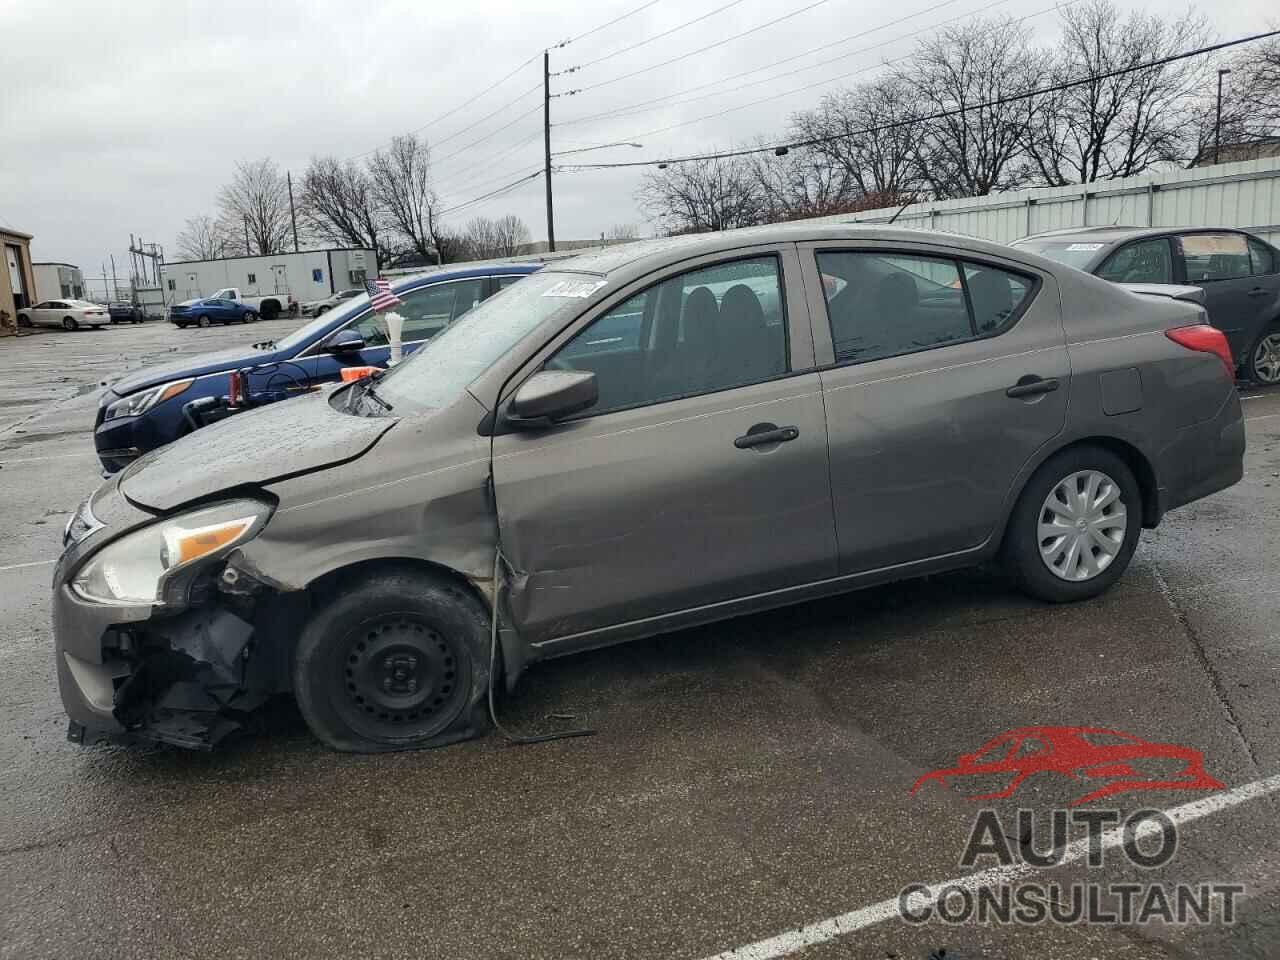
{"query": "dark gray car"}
{"type": "Point", "coordinates": [1240, 275]}
{"type": "Point", "coordinates": [638, 440]}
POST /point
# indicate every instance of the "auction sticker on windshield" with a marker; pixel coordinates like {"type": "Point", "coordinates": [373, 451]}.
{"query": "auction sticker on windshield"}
{"type": "Point", "coordinates": [581, 289]}
{"type": "Point", "coordinates": [1085, 247]}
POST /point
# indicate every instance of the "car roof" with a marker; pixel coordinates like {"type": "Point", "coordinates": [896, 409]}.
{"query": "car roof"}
{"type": "Point", "coordinates": [440, 276]}
{"type": "Point", "coordinates": [1116, 234]}
{"type": "Point", "coordinates": [641, 256]}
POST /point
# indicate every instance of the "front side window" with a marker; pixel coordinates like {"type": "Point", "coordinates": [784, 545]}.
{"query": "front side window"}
{"type": "Point", "coordinates": [699, 332]}
{"type": "Point", "coordinates": [1215, 256]}
{"type": "Point", "coordinates": [1147, 261]}
{"type": "Point", "coordinates": [1261, 258]}
{"type": "Point", "coordinates": [429, 310]}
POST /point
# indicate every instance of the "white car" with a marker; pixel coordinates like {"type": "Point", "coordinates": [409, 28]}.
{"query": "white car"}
{"type": "Point", "coordinates": [67, 314]}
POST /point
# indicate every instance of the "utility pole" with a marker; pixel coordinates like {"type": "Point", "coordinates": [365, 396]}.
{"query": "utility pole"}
{"type": "Point", "coordinates": [546, 139]}
{"type": "Point", "coordinates": [1217, 124]}
{"type": "Point", "coordinates": [115, 284]}
{"type": "Point", "coordinates": [292, 216]}
{"type": "Point", "coordinates": [248, 251]}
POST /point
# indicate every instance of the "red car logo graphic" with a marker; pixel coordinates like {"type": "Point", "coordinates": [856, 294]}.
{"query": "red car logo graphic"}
{"type": "Point", "coordinates": [1080, 753]}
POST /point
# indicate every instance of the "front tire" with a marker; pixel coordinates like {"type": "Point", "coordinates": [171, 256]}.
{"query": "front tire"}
{"type": "Point", "coordinates": [203, 321]}
{"type": "Point", "coordinates": [1075, 526]}
{"type": "Point", "coordinates": [1264, 358]}
{"type": "Point", "coordinates": [249, 317]}
{"type": "Point", "coordinates": [397, 661]}
{"type": "Point", "coordinates": [69, 324]}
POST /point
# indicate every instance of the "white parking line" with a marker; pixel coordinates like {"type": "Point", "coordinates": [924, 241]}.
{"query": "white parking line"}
{"type": "Point", "coordinates": [1265, 416]}
{"type": "Point", "coordinates": [823, 931]}
{"type": "Point", "coordinates": [33, 563]}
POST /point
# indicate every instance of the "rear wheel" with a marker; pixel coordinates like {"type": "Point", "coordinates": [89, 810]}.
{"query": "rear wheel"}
{"type": "Point", "coordinates": [203, 321]}
{"type": "Point", "coordinates": [1075, 526]}
{"type": "Point", "coordinates": [24, 320]}
{"type": "Point", "coordinates": [69, 323]}
{"type": "Point", "coordinates": [1264, 358]}
{"type": "Point", "coordinates": [270, 310]}
{"type": "Point", "coordinates": [398, 661]}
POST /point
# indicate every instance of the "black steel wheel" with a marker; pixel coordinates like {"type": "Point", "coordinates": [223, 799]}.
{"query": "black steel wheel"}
{"type": "Point", "coordinates": [396, 661]}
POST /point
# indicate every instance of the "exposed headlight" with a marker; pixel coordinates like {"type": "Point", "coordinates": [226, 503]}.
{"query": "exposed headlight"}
{"type": "Point", "coordinates": [142, 401]}
{"type": "Point", "coordinates": [146, 566]}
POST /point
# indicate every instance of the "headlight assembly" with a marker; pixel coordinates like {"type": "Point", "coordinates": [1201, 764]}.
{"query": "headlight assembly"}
{"type": "Point", "coordinates": [139, 403]}
{"type": "Point", "coordinates": [150, 565]}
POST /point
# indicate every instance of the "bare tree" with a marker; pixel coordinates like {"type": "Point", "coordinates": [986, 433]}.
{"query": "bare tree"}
{"type": "Point", "coordinates": [1250, 102]}
{"type": "Point", "coordinates": [485, 239]}
{"type": "Point", "coordinates": [622, 232]}
{"type": "Point", "coordinates": [802, 184]}
{"type": "Point", "coordinates": [401, 180]}
{"type": "Point", "coordinates": [338, 206]}
{"type": "Point", "coordinates": [976, 146]}
{"type": "Point", "coordinates": [200, 239]}
{"type": "Point", "coordinates": [867, 133]}
{"type": "Point", "coordinates": [701, 195]}
{"type": "Point", "coordinates": [255, 202]}
{"type": "Point", "coordinates": [1116, 126]}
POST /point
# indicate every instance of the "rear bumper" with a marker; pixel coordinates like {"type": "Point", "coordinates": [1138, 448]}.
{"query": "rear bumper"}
{"type": "Point", "coordinates": [1205, 457]}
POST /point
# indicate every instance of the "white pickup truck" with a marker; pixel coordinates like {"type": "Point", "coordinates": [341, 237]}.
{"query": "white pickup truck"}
{"type": "Point", "coordinates": [268, 306]}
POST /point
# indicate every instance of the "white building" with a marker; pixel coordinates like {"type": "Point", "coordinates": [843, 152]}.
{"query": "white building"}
{"type": "Point", "coordinates": [58, 281]}
{"type": "Point", "coordinates": [308, 275]}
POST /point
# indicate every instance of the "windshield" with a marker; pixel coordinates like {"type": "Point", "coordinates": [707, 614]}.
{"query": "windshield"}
{"type": "Point", "coordinates": [438, 371]}
{"type": "Point", "coordinates": [1071, 252]}
{"type": "Point", "coordinates": [309, 330]}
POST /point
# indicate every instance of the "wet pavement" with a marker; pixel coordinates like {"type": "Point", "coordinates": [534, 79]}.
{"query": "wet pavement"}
{"type": "Point", "coordinates": [748, 778]}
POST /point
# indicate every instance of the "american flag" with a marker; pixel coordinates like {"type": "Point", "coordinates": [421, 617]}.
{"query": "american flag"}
{"type": "Point", "coordinates": [380, 294]}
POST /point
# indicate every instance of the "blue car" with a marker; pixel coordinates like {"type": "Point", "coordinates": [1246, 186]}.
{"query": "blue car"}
{"type": "Point", "coordinates": [145, 410]}
{"type": "Point", "coordinates": [204, 313]}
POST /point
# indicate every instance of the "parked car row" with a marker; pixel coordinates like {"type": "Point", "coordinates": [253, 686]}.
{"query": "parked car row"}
{"type": "Point", "coordinates": [625, 443]}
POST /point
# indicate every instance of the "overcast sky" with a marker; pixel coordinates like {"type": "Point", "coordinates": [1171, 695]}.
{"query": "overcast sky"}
{"type": "Point", "coordinates": [120, 118]}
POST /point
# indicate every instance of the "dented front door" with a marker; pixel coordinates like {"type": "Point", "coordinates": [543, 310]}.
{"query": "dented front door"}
{"type": "Point", "coordinates": [684, 486]}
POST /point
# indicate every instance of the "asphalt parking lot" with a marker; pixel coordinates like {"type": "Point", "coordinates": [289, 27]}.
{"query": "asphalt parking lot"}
{"type": "Point", "coordinates": [747, 779]}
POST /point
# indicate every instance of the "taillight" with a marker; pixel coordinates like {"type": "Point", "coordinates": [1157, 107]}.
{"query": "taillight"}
{"type": "Point", "coordinates": [1205, 339]}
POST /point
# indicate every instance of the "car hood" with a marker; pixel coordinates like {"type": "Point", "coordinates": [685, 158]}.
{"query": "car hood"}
{"type": "Point", "coordinates": [254, 448]}
{"type": "Point", "coordinates": [196, 366]}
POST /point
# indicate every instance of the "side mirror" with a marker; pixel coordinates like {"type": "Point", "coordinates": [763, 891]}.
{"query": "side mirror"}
{"type": "Point", "coordinates": [552, 394]}
{"type": "Point", "coordinates": [345, 341]}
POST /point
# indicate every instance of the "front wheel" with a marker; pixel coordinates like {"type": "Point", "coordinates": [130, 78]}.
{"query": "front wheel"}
{"type": "Point", "coordinates": [398, 661]}
{"type": "Point", "coordinates": [69, 323]}
{"type": "Point", "coordinates": [203, 321]}
{"type": "Point", "coordinates": [1075, 526]}
{"type": "Point", "coordinates": [249, 317]}
{"type": "Point", "coordinates": [1264, 358]}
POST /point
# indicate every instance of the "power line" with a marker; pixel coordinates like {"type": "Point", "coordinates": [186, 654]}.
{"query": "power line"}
{"type": "Point", "coordinates": [488, 116]}
{"type": "Point", "coordinates": [649, 40]}
{"type": "Point", "coordinates": [1039, 92]}
{"type": "Point", "coordinates": [466, 177]}
{"type": "Point", "coordinates": [816, 83]}
{"type": "Point", "coordinates": [641, 106]}
{"type": "Point", "coordinates": [484, 182]}
{"type": "Point", "coordinates": [491, 194]}
{"type": "Point", "coordinates": [632, 13]}
{"type": "Point", "coordinates": [493, 133]}
{"type": "Point", "coordinates": [694, 53]}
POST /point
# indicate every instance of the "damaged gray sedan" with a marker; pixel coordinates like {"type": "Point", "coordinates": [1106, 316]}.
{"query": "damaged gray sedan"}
{"type": "Point", "coordinates": [630, 442]}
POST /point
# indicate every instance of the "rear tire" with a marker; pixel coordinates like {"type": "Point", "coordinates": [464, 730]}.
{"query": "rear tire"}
{"type": "Point", "coordinates": [24, 320]}
{"type": "Point", "coordinates": [397, 661]}
{"type": "Point", "coordinates": [69, 324]}
{"type": "Point", "coordinates": [1047, 522]}
{"type": "Point", "coordinates": [269, 310]}
{"type": "Point", "coordinates": [1263, 365]}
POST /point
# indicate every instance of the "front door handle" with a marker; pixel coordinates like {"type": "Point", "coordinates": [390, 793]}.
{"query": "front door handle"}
{"type": "Point", "coordinates": [765, 433]}
{"type": "Point", "coordinates": [1031, 385]}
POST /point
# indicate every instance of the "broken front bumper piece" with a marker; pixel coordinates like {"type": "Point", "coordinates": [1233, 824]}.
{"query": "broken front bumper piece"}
{"type": "Point", "coordinates": [188, 680]}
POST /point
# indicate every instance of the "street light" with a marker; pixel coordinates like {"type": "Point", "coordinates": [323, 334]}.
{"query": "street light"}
{"type": "Point", "coordinates": [1217, 125]}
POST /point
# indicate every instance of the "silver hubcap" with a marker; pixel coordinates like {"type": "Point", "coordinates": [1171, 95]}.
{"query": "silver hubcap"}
{"type": "Point", "coordinates": [1082, 525]}
{"type": "Point", "coordinates": [1266, 359]}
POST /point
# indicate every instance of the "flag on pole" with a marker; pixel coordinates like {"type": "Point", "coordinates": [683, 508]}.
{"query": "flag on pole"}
{"type": "Point", "coordinates": [380, 294]}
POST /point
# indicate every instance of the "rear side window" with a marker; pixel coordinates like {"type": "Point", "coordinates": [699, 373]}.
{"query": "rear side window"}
{"type": "Point", "coordinates": [1215, 256]}
{"type": "Point", "coordinates": [885, 305]}
{"type": "Point", "coordinates": [1261, 259]}
{"type": "Point", "coordinates": [1147, 261]}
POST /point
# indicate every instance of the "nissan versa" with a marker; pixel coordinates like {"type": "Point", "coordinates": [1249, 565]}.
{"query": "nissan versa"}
{"type": "Point", "coordinates": [636, 440]}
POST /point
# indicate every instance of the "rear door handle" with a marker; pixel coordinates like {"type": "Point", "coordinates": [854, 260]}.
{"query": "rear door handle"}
{"type": "Point", "coordinates": [765, 433]}
{"type": "Point", "coordinates": [1030, 385]}
{"type": "Point", "coordinates": [1258, 292]}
